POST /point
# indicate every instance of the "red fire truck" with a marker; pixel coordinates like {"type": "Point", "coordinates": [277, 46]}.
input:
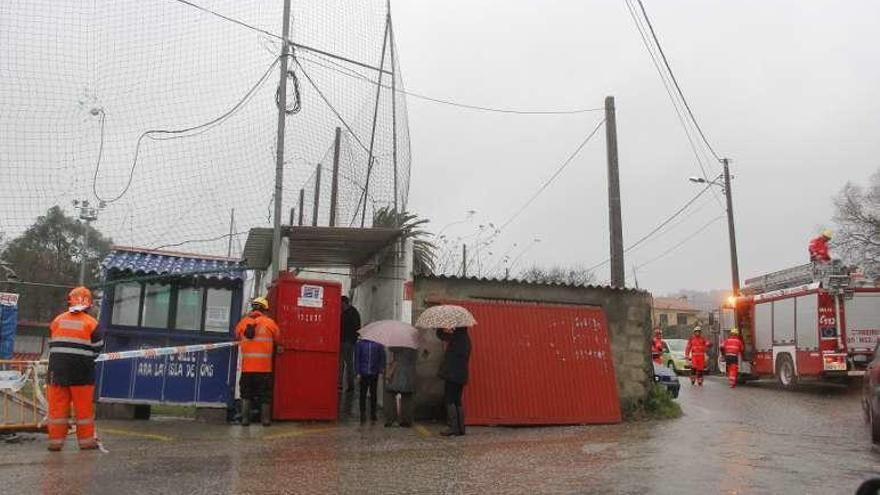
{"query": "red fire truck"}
{"type": "Point", "coordinates": [813, 321]}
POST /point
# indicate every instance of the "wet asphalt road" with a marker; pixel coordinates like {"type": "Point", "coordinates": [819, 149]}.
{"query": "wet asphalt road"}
{"type": "Point", "coordinates": [754, 439]}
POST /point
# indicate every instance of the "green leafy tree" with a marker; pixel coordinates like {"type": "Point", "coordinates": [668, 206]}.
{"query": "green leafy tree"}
{"type": "Point", "coordinates": [412, 227]}
{"type": "Point", "coordinates": [49, 252]}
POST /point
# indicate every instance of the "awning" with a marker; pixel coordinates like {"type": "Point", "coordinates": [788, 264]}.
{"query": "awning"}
{"type": "Point", "coordinates": [150, 262]}
{"type": "Point", "coordinates": [318, 246]}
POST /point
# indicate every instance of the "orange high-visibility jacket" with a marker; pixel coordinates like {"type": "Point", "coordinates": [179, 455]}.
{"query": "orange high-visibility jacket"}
{"type": "Point", "coordinates": [732, 345]}
{"type": "Point", "coordinates": [256, 352]}
{"type": "Point", "coordinates": [74, 343]}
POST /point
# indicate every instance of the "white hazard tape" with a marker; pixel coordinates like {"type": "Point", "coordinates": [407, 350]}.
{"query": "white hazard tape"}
{"type": "Point", "coordinates": [163, 351]}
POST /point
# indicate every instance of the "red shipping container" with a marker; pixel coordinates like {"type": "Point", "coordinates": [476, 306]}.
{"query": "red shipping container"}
{"type": "Point", "coordinates": [308, 313]}
{"type": "Point", "coordinates": [539, 364]}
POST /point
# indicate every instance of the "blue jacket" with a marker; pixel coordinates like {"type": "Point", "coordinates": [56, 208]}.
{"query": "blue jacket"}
{"type": "Point", "coordinates": [369, 358]}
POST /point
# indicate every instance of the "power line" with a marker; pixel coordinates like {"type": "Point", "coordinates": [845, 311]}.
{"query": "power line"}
{"type": "Point", "coordinates": [675, 82]}
{"type": "Point", "coordinates": [230, 19]}
{"type": "Point", "coordinates": [672, 99]}
{"type": "Point", "coordinates": [354, 74]}
{"type": "Point", "coordinates": [658, 228]}
{"type": "Point", "coordinates": [682, 242]}
{"type": "Point", "coordinates": [191, 241]}
{"type": "Point", "coordinates": [554, 176]}
{"type": "Point", "coordinates": [167, 134]}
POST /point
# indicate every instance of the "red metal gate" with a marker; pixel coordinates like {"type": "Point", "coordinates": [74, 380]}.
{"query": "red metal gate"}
{"type": "Point", "coordinates": [539, 364]}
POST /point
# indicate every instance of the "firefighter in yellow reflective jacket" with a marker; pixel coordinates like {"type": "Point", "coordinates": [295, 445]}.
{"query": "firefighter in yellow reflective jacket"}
{"type": "Point", "coordinates": [258, 334]}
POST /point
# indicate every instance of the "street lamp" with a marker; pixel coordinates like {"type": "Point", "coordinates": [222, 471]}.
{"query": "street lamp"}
{"type": "Point", "coordinates": [725, 186]}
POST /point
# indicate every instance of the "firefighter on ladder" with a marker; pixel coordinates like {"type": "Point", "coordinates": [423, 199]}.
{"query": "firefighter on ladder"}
{"type": "Point", "coordinates": [696, 350]}
{"type": "Point", "coordinates": [74, 343]}
{"type": "Point", "coordinates": [657, 346]}
{"type": "Point", "coordinates": [258, 334]}
{"type": "Point", "coordinates": [732, 347]}
{"type": "Point", "coordinates": [819, 248]}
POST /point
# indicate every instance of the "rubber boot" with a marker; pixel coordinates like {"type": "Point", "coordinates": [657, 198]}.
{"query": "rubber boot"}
{"type": "Point", "coordinates": [245, 412]}
{"type": "Point", "coordinates": [266, 414]}
{"type": "Point", "coordinates": [451, 420]}
{"type": "Point", "coordinates": [460, 431]}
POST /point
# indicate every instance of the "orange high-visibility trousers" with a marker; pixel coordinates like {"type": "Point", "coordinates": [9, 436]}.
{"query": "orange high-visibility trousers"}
{"type": "Point", "coordinates": [732, 372]}
{"type": "Point", "coordinates": [59, 413]}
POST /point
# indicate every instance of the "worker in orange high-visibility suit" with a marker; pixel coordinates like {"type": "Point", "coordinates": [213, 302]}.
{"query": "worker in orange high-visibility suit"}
{"type": "Point", "coordinates": [696, 350]}
{"type": "Point", "coordinates": [732, 347]}
{"type": "Point", "coordinates": [258, 335]}
{"type": "Point", "coordinates": [657, 346]}
{"type": "Point", "coordinates": [74, 343]}
{"type": "Point", "coordinates": [819, 248]}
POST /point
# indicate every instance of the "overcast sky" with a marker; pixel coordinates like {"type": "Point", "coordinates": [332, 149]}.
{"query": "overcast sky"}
{"type": "Point", "coordinates": [787, 90]}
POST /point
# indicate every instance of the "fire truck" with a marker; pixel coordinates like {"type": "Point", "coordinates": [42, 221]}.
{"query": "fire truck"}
{"type": "Point", "coordinates": [814, 321]}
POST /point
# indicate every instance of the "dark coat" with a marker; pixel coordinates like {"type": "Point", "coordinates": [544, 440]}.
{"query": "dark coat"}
{"type": "Point", "coordinates": [349, 326]}
{"type": "Point", "coordinates": [458, 352]}
{"type": "Point", "coordinates": [369, 358]}
{"type": "Point", "coordinates": [401, 376]}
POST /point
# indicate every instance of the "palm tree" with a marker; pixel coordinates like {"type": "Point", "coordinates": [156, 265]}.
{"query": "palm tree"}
{"type": "Point", "coordinates": [411, 227]}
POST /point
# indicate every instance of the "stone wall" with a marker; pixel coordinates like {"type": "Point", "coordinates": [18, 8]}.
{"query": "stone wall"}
{"type": "Point", "coordinates": [629, 325]}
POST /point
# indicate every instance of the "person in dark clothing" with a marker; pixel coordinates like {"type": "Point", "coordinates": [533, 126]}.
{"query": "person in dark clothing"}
{"type": "Point", "coordinates": [454, 371]}
{"type": "Point", "coordinates": [348, 335]}
{"type": "Point", "coordinates": [369, 361]}
{"type": "Point", "coordinates": [400, 378]}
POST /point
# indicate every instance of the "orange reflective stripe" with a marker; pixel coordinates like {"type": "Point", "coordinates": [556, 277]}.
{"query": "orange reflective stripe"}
{"type": "Point", "coordinates": [58, 421]}
{"type": "Point", "coordinates": [257, 355]}
{"type": "Point", "coordinates": [85, 421]}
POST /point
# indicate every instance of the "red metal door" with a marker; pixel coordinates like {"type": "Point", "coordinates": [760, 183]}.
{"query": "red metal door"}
{"type": "Point", "coordinates": [540, 364]}
{"type": "Point", "coordinates": [308, 312]}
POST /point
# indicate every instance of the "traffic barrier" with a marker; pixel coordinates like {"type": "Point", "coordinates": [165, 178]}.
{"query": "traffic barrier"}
{"type": "Point", "coordinates": [23, 395]}
{"type": "Point", "coordinates": [163, 351]}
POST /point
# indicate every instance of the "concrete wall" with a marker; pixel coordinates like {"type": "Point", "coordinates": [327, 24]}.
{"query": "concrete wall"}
{"type": "Point", "coordinates": [629, 326]}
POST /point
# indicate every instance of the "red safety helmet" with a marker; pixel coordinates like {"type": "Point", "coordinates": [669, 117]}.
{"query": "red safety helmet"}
{"type": "Point", "coordinates": [79, 299]}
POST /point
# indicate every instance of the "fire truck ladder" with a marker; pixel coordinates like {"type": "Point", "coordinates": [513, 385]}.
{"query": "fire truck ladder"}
{"type": "Point", "coordinates": [834, 276]}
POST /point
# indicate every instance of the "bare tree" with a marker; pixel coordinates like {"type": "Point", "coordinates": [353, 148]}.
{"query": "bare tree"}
{"type": "Point", "coordinates": [857, 215]}
{"type": "Point", "coordinates": [568, 275]}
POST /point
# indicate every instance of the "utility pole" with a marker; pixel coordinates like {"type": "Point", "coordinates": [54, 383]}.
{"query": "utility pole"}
{"type": "Point", "coordinates": [334, 180]}
{"type": "Point", "coordinates": [618, 273]}
{"type": "Point", "coordinates": [734, 261]}
{"type": "Point", "coordinates": [279, 155]}
{"type": "Point", "coordinates": [231, 233]}
{"type": "Point", "coordinates": [317, 198]}
{"type": "Point", "coordinates": [302, 200]}
{"type": "Point", "coordinates": [464, 260]}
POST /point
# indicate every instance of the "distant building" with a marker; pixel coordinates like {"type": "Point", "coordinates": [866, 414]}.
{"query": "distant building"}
{"type": "Point", "coordinates": [675, 313]}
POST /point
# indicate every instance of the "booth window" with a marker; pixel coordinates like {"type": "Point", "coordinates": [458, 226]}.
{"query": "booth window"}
{"type": "Point", "coordinates": [217, 310]}
{"type": "Point", "coordinates": [126, 303]}
{"type": "Point", "coordinates": [189, 308]}
{"type": "Point", "coordinates": [157, 302]}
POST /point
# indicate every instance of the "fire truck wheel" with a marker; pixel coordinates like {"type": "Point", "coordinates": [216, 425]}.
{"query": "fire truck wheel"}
{"type": "Point", "coordinates": [785, 372]}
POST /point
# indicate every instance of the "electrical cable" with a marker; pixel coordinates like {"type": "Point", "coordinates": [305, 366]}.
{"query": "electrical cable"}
{"type": "Point", "coordinates": [166, 134]}
{"type": "Point", "coordinates": [675, 82]}
{"type": "Point", "coordinates": [190, 241]}
{"type": "Point", "coordinates": [553, 177]}
{"type": "Point", "coordinates": [230, 19]}
{"type": "Point", "coordinates": [656, 229]}
{"type": "Point", "coordinates": [681, 243]}
{"type": "Point", "coordinates": [672, 98]}
{"type": "Point", "coordinates": [354, 74]}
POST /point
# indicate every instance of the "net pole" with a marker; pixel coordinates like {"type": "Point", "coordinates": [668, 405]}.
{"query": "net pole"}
{"type": "Point", "coordinates": [279, 156]}
{"type": "Point", "coordinates": [375, 117]}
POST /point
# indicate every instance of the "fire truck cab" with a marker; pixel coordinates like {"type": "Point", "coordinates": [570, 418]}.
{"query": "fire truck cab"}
{"type": "Point", "coordinates": [812, 321]}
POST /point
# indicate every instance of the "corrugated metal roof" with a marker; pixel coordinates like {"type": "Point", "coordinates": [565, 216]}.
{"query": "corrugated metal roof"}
{"type": "Point", "coordinates": [318, 246]}
{"type": "Point", "coordinates": [170, 263]}
{"type": "Point", "coordinates": [526, 282]}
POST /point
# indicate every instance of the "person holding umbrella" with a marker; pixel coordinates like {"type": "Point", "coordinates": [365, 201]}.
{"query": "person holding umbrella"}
{"type": "Point", "coordinates": [402, 341]}
{"type": "Point", "coordinates": [451, 324]}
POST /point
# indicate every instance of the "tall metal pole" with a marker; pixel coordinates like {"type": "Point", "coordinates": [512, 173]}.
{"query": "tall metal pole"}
{"type": "Point", "coordinates": [375, 115]}
{"type": "Point", "coordinates": [618, 273]}
{"type": "Point", "coordinates": [317, 197]}
{"type": "Point", "coordinates": [464, 260]}
{"type": "Point", "coordinates": [85, 254]}
{"type": "Point", "coordinates": [279, 155]}
{"type": "Point", "coordinates": [231, 233]}
{"type": "Point", "coordinates": [302, 201]}
{"type": "Point", "coordinates": [393, 106]}
{"type": "Point", "coordinates": [334, 180]}
{"type": "Point", "coordinates": [734, 261]}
